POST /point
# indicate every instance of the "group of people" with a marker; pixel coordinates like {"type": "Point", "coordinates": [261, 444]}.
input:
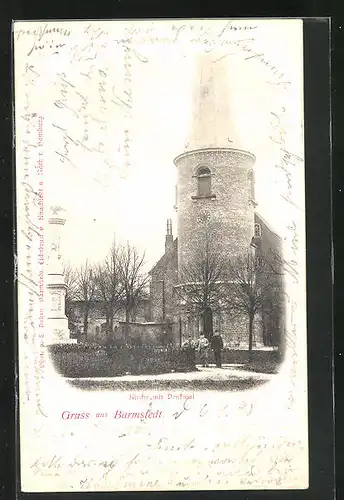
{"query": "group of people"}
{"type": "Point", "coordinates": [203, 346]}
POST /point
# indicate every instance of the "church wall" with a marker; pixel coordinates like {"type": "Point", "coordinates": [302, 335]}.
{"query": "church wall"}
{"type": "Point", "coordinates": [224, 213]}
{"type": "Point", "coordinates": [233, 330]}
{"type": "Point", "coordinates": [163, 279]}
{"type": "Point", "coordinates": [274, 308]}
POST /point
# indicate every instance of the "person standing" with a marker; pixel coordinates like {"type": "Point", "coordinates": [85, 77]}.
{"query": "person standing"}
{"type": "Point", "coordinates": [217, 346]}
{"type": "Point", "coordinates": [189, 346]}
{"type": "Point", "coordinates": [203, 345]}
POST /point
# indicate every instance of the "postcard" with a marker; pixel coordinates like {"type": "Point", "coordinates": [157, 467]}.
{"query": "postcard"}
{"type": "Point", "coordinates": [161, 255]}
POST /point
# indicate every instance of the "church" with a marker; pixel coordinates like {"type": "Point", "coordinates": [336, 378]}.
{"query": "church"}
{"type": "Point", "coordinates": [215, 201]}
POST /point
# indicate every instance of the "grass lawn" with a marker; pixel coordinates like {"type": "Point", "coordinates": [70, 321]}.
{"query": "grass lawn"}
{"type": "Point", "coordinates": [230, 378]}
{"type": "Point", "coordinates": [259, 367]}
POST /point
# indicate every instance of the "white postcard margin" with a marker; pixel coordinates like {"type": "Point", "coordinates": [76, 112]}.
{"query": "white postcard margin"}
{"type": "Point", "coordinates": [252, 440]}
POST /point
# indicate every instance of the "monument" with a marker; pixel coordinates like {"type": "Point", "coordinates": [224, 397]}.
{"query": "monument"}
{"type": "Point", "coordinates": [56, 319]}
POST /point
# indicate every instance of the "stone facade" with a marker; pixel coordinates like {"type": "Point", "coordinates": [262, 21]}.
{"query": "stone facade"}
{"type": "Point", "coordinates": [164, 277]}
{"type": "Point", "coordinates": [268, 324]}
{"type": "Point", "coordinates": [269, 245]}
{"type": "Point", "coordinates": [226, 212]}
{"type": "Point", "coordinates": [234, 330]}
{"type": "Point", "coordinates": [214, 200]}
{"type": "Point", "coordinates": [96, 330]}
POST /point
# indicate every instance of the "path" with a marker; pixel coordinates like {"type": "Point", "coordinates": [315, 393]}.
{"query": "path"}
{"type": "Point", "coordinates": [229, 377]}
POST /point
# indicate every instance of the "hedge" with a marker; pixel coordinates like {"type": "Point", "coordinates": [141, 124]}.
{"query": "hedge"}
{"type": "Point", "coordinates": [80, 360]}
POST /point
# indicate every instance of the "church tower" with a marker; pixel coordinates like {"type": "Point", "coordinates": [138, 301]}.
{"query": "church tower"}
{"type": "Point", "coordinates": [214, 186]}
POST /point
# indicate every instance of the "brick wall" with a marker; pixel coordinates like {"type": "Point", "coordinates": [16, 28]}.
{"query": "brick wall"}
{"type": "Point", "coordinates": [231, 225]}
{"type": "Point", "coordinates": [163, 279]}
{"type": "Point", "coordinates": [146, 333]}
{"type": "Point", "coordinates": [273, 320]}
{"type": "Point", "coordinates": [234, 331]}
{"type": "Point", "coordinates": [140, 333]}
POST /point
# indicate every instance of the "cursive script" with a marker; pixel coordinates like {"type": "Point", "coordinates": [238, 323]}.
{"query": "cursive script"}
{"type": "Point", "coordinates": [238, 462]}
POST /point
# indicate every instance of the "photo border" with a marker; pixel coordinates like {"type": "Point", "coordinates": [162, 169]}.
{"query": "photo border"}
{"type": "Point", "coordinates": [318, 176]}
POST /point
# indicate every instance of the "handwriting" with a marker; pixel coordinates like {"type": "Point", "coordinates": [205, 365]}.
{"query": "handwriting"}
{"type": "Point", "coordinates": [288, 160]}
{"type": "Point", "coordinates": [203, 409]}
{"type": "Point", "coordinates": [86, 136]}
{"type": "Point", "coordinates": [41, 31]}
{"type": "Point", "coordinates": [184, 409]}
{"type": "Point", "coordinates": [203, 35]}
{"type": "Point", "coordinates": [281, 265]}
{"type": "Point", "coordinates": [43, 38]}
{"type": "Point", "coordinates": [257, 460]}
{"type": "Point", "coordinates": [82, 118]}
{"type": "Point", "coordinates": [288, 167]}
{"type": "Point", "coordinates": [292, 347]}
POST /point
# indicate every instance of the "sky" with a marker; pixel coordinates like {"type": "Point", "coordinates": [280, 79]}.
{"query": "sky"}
{"type": "Point", "coordinates": [111, 125]}
{"type": "Point", "coordinates": [109, 195]}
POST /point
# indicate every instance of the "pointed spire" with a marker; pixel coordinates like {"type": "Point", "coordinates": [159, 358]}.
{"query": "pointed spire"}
{"type": "Point", "coordinates": [212, 123]}
{"type": "Point", "coordinates": [169, 235]}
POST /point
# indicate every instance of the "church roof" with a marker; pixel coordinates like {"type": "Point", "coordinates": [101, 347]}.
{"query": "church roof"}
{"type": "Point", "coordinates": [163, 260]}
{"type": "Point", "coordinates": [260, 220]}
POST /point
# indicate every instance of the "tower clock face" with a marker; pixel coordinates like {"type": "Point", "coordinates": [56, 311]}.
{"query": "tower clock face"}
{"type": "Point", "coordinates": [203, 218]}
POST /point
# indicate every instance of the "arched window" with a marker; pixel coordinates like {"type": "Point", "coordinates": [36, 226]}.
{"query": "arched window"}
{"type": "Point", "coordinates": [257, 230]}
{"type": "Point", "coordinates": [204, 181]}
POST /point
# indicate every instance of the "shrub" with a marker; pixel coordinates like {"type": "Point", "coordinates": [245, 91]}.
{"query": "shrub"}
{"type": "Point", "coordinates": [80, 360]}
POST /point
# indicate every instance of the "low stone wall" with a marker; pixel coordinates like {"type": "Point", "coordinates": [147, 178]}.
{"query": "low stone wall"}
{"type": "Point", "coordinates": [241, 356]}
{"type": "Point", "coordinates": [148, 334]}
{"type": "Point", "coordinates": [135, 333]}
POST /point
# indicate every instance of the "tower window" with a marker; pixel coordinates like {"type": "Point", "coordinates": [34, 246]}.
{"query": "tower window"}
{"type": "Point", "coordinates": [257, 230]}
{"type": "Point", "coordinates": [204, 181]}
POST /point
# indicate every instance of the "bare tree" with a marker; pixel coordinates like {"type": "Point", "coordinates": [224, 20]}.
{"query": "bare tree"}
{"type": "Point", "coordinates": [85, 291]}
{"type": "Point", "coordinates": [70, 279]}
{"type": "Point", "coordinates": [110, 286]}
{"type": "Point", "coordinates": [251, 281]}
{"type": "Point", "coordinates": [133, 280]}
{"type": "Point", "coordinates": [203, 282]}
{"type": "Point", "coordinates": [69, 273]}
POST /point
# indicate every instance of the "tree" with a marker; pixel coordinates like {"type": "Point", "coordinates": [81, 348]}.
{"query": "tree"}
{"type": "Point", "coordinates": [109, 286]}
{"type": "Point", "coordinates": [133, 280]}
{"type": "Point", "coordinates": [85, 290]}
{"type": "Point", "coordinates": [203, 281]}
{"type": "Point", "coordinates": [251, 280]}
{"type": "Point", "coordinates": [69, 274]}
